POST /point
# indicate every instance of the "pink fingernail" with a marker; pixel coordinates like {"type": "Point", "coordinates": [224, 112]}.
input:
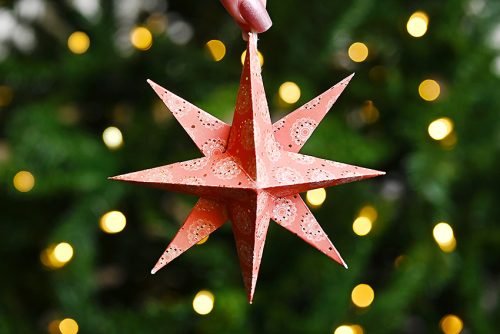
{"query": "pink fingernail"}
{"type": "Point", "coordinates": [255, 14]}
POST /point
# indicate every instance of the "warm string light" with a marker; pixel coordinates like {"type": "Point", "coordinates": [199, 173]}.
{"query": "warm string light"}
{"type": "Point", "coordinates": [112, 138]}
{"type": "Point", "coordinates": [57, 256]}
{"type": "Point", "coordinates": [362, 295]}
{"type": "Point", "coordinates": [344, 329]}
{"type": "Point", "coordinates": [316, 197]}
{"type": "Point", "coordinates": [261, 57]}
{"type": "Point", "coordinates": [217, 49]}
{"type": "Point", "coordinates": [113, 222]}
{"type": "Point", "coordinates": [358, 52]}
{"type": "Point", "coordinates": [68, 326]}
{"type": "Point", "coordinates": [78, 42]}
{"type": "Point", "coordinates": [440, 128]}
{"type": "Point", "coordinates": [444, 237]}
{"type": "Point", "coordinates": [349, 329]}
{"type": "Point", "coordinates": [363, 224]}
{"type": "Point", "coordinates": [429, 90]}
{"type": "Point", "coordinates": [203, 302]}
{"type": "Point", "coordinates": [202, 241]}
{"type": "Point", "coordinates": [417, 24]}
{"type": "Point", "coordinates": [451, 324]}
{"type": "Point", "coordinates": [289, 92]}
{"type": "Point", "coordinates": [23, 181]}
{"type": "Point", "coordinates": [141, 38]}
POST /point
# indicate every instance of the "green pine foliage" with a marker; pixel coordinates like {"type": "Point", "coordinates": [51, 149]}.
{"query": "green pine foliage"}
{"type": "Point", "coordinates": [54, 106]}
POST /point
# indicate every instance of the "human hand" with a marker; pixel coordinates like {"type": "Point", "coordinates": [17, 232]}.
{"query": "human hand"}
{"type": "Point", "coordinates": [251, 15]}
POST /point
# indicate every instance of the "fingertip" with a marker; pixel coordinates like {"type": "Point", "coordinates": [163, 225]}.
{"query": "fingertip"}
{"type": "Point", "coordinates": [255, 15]}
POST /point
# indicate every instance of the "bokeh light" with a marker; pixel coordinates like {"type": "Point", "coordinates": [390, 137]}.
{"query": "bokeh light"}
{"type": "Point", "coordinates": [429, 90]}
{"type": "Point", "coordinates": [78, 42]}
{"type": "Point", "coordinates": [203, 302]}
{"type": "Point", "coordinates": [202, 241]}
{"type": "Point", "coordinates": [362, 226]}
{"type": "Point", "coordinates": [417, 24]}
{"type": "Point", "coordinates": [63, 252]}
{"type": "Point", "coordinates": [357, 329]}
{"type": "Point", "coordinates": [440, 128]}
{"type": "Point", "coordinates": [358, 52]}
{"type": "Point", "coordinates": [23, 181]}
{"type": "Point", "coordinates": [112, 137]}
{"type": "Point", "coordinates": [316, 197]}
{"type": "Point", "coordinates": [444, 237]}
{"type": "Point", "coordinates": [344, 329]}
{"type": "Point", "coordinates": [57, 256]}
{"type": "Point", "coordinates": [113, 222]}
{"type": "Point", "coordinates": [217, 49]}
{"type": "Point", "coordinates": [141, 38]}
{"type": "Point", "coordinates": [289, 92]}
{"type": "Point", "coordinates": [451, 324]}
{"type": "Point", "coordinates": [68, 326]}
{"type": "Point", "coordinates": [362, 295]}
{"type": "Point", "coordinates": [261, 57]}
{"type": "Point", "coordinates": [369, 212]}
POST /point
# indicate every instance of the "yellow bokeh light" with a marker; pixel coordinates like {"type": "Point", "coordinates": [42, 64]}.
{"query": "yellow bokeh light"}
{"type": "Point", "coordinates": [57, 256]}
{"type": "Point", "coordinates": [357, 329]}
{"type": "Point", "coordinates": [289, 92]}
{"type": "Point", "coordinates": [344, 329]}
{"type": "Point", "coordinates": [440, 128]}
{"type": "Point", "coordinates": [444, 237]}
{"type": "Point", "coordinates": [63, 252]}
{"type": "Point", "coordinates": [202, 241]}
{"type": "Point", "coordinates": [203, 302]}
{"type": "Point", "coordinates": [113, 222]}
{"type": "Point", "coordinates": [358, 52]}
{"type": "Point", "coordinates": [217, 49]}
{"type": "Point", "coordinates": [23, 181]}
{"type": "Point", "coordinates": [443, 233]}
{"type": "Point", "coordinates": [261, 57]}
{"type": "Point", "coordinates": [451, 324]}
{"type": "Point", "coordinates": [316, 197]}
{"type": "Point", "coordinates": [362, 295]}
{"type": "Point", "coordinates": [429, 90]}
{"type": "Point", "coordinates": [68, 326]}
{"type": "Point", "coordinates": [78, 42]}
{"type": "Point", "coordinates": [112, 137]}
{"type": "Point", "coordinates": [369, 212]}
{"type": "Point", "coordinates": [449, 247]}
{"type": "Point", "coordinates": [362, 226]}
{"type": "Point", "coordinates": [141, 38]}
{"type": "Point", "coordinates": [417, 24]}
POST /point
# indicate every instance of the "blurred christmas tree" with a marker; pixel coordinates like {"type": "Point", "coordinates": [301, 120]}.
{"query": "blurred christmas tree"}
{"type": "Point", "coordinates": [422, 242]}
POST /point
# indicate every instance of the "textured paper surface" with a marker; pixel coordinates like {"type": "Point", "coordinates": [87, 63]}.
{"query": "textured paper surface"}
{"type": "Point", "coordinates": [251, 171]}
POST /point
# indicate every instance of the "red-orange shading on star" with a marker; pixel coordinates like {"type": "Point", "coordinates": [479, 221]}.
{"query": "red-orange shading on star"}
{"type": "Point", "coordinates": [251, 172]}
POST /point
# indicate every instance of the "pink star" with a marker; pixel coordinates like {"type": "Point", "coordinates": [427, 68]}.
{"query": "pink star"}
{"type": "Point", "coordinates": [250, 173]}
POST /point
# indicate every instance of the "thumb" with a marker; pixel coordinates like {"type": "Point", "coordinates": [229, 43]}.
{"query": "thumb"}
{"type": "Point", "coordinates": [255, 15]}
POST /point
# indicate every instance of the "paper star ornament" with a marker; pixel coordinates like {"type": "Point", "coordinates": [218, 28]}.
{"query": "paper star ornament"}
{"type": "Point", "coordinates": [251, 172]}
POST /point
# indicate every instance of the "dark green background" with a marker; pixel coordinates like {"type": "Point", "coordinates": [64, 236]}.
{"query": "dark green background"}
{"type": "Point", "coordinates": [62, 102]}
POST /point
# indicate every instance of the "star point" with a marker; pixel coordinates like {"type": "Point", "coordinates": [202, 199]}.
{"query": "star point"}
{"type": "Point", "coordinates": [250, 172]}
